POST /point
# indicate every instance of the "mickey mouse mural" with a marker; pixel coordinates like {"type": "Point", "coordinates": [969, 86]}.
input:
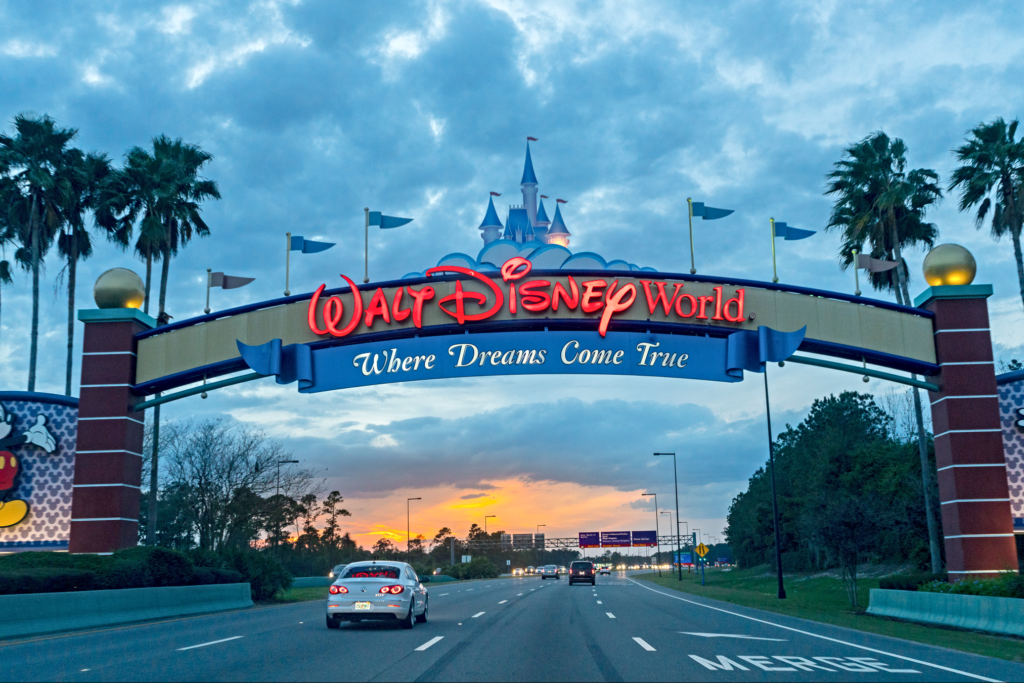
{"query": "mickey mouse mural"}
{"type": "Point", "coordinates": [12, 509]}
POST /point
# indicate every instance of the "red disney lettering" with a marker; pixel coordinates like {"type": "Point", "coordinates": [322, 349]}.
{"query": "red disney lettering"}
{"type": "Point", "coordinates": [378, 306]}
{"type": "Point", "coordinates": [591, 291]}
{"type": "Point", "coordinates": [615, 304]}
{"type": "Point", "coordinates": [333, 310]}
{"type": "Point", "coordinates": [460, 296]}
{"type": "Point", "coordinates": [421, 296]}
{"type": "Point", "coordinates": [510, 270]}
{"type": "Point", "coordinates": [560, 293]}
{"type": "Point", "coordinates": [661, 298]}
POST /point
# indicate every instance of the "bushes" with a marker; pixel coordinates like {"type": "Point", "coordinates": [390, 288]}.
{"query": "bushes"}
{"type": "Point", "coordinates": [1009, 585]}
{"type": "Point", "coordinates": [479, 568]}
{"type": "Point", "coordinates": [265, 575]}
{"type": "Point", "coordinates": [909, 582]}
{"type": "Point", "coordinates": [139, 567]}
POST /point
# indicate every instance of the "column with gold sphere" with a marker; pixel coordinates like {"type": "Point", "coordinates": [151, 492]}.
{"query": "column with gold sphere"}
{"type": "Point", "coordinates": [108, 462]}
{"type": "Point", "coordinates": [977, 523]}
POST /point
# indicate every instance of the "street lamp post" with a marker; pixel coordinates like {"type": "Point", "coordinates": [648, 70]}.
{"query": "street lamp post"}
{"type": "Point", "coordinates": [408, 550]}
{"type": "Point", "coordinates": [775, 504]}
{"type": "Point", "coordinates": [656, 527]}
{"type": "Point", "coordinates": [675, 476]}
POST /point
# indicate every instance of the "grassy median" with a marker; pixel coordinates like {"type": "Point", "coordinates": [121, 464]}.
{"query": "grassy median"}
{"type": "Point", "coordinates": [823, 599]}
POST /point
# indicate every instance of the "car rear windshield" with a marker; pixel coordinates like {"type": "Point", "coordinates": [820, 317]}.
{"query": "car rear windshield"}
{"type": "Point", "coordinates": [582, 565]}
{"type": "Point", "coordinates": [368, 572]}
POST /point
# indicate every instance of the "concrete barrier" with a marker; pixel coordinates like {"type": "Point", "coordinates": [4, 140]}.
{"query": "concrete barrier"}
{"type": "Point", "coordinates": [312, 582]}
{"type": "Point", "coordinates": [974, 612]}
{"type": "Point", "coordinates": [35, 613]}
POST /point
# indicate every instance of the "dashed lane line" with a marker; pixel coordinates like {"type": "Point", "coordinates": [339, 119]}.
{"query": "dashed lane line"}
{"type": "Point", "coordinates": [817, 635]}
{"type": "Point", "coordinates": [478, 614]}
{"type": "Point", "coordinates": [643, 643]}
{"type": "Point", "coordinates": [599, 602]}
{"type": "Point", "coordinates": [610, 615]}
{"type": "Point", "coordinates": [212, 642]}
{"type": "Point", "coordinates": [519, 595]}
{"type": "Point", "coordinates": [503, 602]}
{"type": "Point", "coordinates": [443, 594]}
{"type": "Point", "coordinates": [429, 643]}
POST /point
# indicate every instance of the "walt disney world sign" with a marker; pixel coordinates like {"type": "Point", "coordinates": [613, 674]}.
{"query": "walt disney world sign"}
{"type": "Point", "coordinates": [457, 321]}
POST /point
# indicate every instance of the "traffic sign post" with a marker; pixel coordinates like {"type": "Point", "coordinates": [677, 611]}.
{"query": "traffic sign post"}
{"type": "Point", "coordinates": [702, 550]}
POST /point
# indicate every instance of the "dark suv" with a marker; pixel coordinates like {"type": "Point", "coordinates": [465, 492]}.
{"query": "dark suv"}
{"type": "Point", "coordinates": [582, 572]}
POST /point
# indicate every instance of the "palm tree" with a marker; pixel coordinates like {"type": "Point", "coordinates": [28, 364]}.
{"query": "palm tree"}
{"type": "Point", "coordinates": [6, 236]}
{"type": "Point", "coordinates": [88, 176]}
{"type": "Point", "coordinates": [33, 158]}
{"type": "Point", "coordinates": [163, 192]}
{"type": "Point", "coordinates": [179, 209]}
{"type": "Point", "coordinates": [991, 177]}
{"type": "Point", "coordinates": [140, 185]}
{"type": "Point", "coordinates": [880, 202]}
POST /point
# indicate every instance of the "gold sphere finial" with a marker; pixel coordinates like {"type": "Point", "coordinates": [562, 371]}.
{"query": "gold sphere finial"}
{"type": "Point", "coordinates": [949, 264]}
{"type": "Point", "coordinates": [119, 288]}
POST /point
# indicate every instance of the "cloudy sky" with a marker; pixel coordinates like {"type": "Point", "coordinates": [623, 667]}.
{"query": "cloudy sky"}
{"type": "Point", "coordinates": [313, 110]}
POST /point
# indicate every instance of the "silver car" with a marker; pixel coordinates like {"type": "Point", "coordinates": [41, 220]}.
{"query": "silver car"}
{"type": "Point", "coordinates": [378, 591]}
{"type": "Point", "coordinates": [549, 571]}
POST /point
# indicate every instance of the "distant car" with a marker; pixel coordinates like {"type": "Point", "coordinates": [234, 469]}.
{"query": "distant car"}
{"type": "Point", "coordinates": [378, 591]}
{"type": "Point", "coordinates": [518, 571]}
{"type": "Point", "coordinates": [582, 572]}
{"type": "Point", "coordinates": [531, 570]}
{"type": "Point", "coordinates": [549, 571]}
{"type": "Point", "coordinates": [562, 570]}
{"type": "Point", "coordinates": [336, 572]}
{"type": "Point", "coordinates": [605, 571]}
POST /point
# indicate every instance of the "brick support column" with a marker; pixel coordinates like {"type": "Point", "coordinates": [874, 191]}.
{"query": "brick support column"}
{"type": "Point", "coordinates": [108, 461]}
{"type": "Point", "coordinates": [976, 518]}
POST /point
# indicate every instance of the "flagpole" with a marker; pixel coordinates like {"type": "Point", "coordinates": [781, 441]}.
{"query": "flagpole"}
{"type": "Point", "coordinates": [366, 247]}
{"type": "Point", "coordinates": [208, 278]}
{"type": "Point", "coordinates": [287, 261]}
{"type": "Point", "coordinates": [775, 273]}
{"type": "Point", "coordinates": [856, 275]}
{"type": "Point", "coordinates": [689, 211]}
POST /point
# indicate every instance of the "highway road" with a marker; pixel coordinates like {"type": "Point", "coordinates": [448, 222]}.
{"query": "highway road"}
{"type": "Point", "coordinates": [499, 630]}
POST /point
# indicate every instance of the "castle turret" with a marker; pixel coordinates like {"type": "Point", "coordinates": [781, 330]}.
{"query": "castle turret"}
{"type": "Point", "coordinates": [542, 222]}
{"type": "Point", "coordinates": [529, 185]}
{"type": "Point", "coordinates": [558, 233]}
{"type": "Point", "coordinates": [490, 227]}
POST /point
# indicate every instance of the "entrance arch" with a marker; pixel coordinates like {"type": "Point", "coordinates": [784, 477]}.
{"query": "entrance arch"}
{"type": "Point", "coordinates": [458, 321]}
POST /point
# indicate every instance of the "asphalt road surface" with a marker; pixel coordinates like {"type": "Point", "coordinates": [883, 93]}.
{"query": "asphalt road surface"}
{"type": "Point", "coordinates": [500, 630]}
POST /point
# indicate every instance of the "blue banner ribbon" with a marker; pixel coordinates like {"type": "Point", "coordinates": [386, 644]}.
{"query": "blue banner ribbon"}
{"type": "Point", "coordinates": [749, 350]}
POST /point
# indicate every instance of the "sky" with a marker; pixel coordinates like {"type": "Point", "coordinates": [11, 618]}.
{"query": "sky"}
{"type": "Point", "coordinates": [314, 110]}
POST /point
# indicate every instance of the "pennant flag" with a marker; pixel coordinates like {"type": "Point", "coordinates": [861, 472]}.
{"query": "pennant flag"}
{"type": "Point", "coordinates": [385, 222]}
{"type": "Point", "coordinates": [495, 194]}
{"type": "Point", "coordinates": [286, 363]}
{"type": "Point", "coordinates": [561, 201]}
{"type": "Point", "coordinates": [749, 350]}
{"type": "Point", "coordinates": [532, 139]}
{"type": "Point", "coordinates": [309, 246]}
{"type": "Point", "coordinates": [873, 265]}
{"type": "Point", "coordinates": [791, 233]}
{"type": "Point", "coordinates": [229, 281]}
{"type": "Point", "coordinates": [709, 213]}
{"type": "Point", "coordinates": [544, 196]}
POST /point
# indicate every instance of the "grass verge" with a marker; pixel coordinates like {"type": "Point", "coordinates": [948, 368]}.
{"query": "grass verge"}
{"type": "Point", "coordinates": [824, 600]}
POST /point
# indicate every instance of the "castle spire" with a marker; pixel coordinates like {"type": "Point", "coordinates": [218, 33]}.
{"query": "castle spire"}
{"type": "Point", "coordinates": [490, 227]}
{"type": "Point", "coordinates": [529, 186]}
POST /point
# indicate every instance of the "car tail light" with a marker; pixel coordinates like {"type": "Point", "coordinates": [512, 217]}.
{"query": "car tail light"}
{"type": "Point", "coordinates": [335, 590]}
{"type": "Point", "coordinates": [393, 590]}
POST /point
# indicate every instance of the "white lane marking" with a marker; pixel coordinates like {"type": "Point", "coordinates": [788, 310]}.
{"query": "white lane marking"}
{"type": "Point", "coordinates": [432, 641]}
{"type": "Point", "coordinates": [469, 589]}
{"type": "Point", "coordinates": [599, 602]}
{"type": "Point", "coordinates": [731, 635]}
{"type": "Point", "coordinates": [643, 644]}
{"type": "Point", "coordinates": [84, 670]}
{"type": "Point", "coordinates": [518, 595]}
{"type": "Point", "coordinates": [212, 642]}
{"type": "Point", "coordinates": [503, 602]}
{"type": "Point", "coordinates": [532, 589]}
{"type": "Point", "coordinates": [443, 594]}
{"type": "Point", "coordinates": [815, 635]}
{"type": "Point", "coordinates": [477, 615]}
{"type": "Point", "coordinates": [610, 615]}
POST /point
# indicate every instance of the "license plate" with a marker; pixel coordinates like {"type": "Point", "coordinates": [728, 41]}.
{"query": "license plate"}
{"type": "Point", "coordinates": [363, 606]}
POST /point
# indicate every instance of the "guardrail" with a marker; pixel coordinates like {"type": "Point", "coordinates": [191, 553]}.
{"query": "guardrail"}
{"type": "Point", "coordinates": [35, 613]}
